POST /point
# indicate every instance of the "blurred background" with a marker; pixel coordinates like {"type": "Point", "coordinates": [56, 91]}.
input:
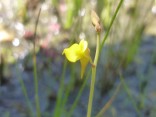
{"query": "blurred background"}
{"type": "Point", "coordinates": [127, 58]}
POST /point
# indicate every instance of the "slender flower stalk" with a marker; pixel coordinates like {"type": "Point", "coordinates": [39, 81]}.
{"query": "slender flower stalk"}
{"type": "Point", "coordinates": [93, 76]}
{"type": "Point", "coordinates": [96, 23]}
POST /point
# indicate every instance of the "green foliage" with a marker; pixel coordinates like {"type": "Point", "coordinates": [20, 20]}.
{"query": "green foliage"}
{"type": "Point", "coordinates": [122, 26]}
{"type": "Point", "coordinates": [73, 7]}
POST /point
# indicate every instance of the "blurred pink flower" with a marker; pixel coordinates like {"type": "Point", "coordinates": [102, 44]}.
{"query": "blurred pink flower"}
{"type": "Point", "coordinates": [54, 28]}
{"type": "Point", "coordinates": [63, 7]}
{"type": "Point", "coordinates": [28, 35]}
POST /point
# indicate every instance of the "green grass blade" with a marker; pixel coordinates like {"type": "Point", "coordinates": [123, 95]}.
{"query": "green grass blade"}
{"type": "Point", "coordinates": [111, 23]}
{"type": "Point", "coordinates": [60, 92]}
{"type": "Point", "coordinates": [126, 88]}
{"type": "Point", "coordinates": [79, 95]}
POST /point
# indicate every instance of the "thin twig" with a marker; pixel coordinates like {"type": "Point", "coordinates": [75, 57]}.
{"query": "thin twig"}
{"type": "Point", "coordinates": [107, 105]}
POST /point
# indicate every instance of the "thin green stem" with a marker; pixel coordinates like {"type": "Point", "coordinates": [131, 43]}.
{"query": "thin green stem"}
{"type": "Point", "coordinates": [126, 88]}
{"type": "Point", "coordinates": [98, 50]}
{"type": "Point", "coordinates": [25, 92]}
{"type": "Point", "coordinates": [111, 23]}
{"type": "Point", "coordinates": [60, 92]}
{"type": "Point", "coordinates": [69, 87]}
{"type": "Point", "coordinates": [109, 102]}
{"type": "Point", "coordinates": [36, 88]}
{"type": "Point", "coordinates": [78, 95]}
{"type": "Point", "coordinates": [35, 70]}
{"type": "Point", "coordinates": [93, 76]}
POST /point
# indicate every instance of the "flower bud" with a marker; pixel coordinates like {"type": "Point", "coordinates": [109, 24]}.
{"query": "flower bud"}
{"type": "Point", "coordinates": [95, 21]}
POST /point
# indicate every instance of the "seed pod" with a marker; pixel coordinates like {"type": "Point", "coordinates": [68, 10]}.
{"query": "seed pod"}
{"type": "Point", "coordinates": [95, 21]}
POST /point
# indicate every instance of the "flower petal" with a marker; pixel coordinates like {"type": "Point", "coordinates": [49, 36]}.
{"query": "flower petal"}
{"type": "Point", "coordinates": [84, 61]}
{"type": "Point", "coordinates": [84, 45]}
{"type": "Point", "coordinates": [73, 53]}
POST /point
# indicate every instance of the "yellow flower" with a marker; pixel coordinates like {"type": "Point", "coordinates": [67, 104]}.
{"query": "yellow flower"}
{"type": "Point", "coordinates": [79, 52]}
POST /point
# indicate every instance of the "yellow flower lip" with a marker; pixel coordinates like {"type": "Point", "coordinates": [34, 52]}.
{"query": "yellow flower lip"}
{"type": "Point", "coordinates": [72, 53]}
{"type": "Point", "coordinates": [78, 52]}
